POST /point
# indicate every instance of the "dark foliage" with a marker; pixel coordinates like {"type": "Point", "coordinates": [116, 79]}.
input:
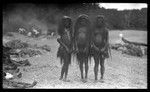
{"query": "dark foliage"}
{"type": "Point", "coordinates": [22, 15]}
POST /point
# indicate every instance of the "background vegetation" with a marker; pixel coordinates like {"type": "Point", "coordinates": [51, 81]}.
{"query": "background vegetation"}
{"type": "Point", "coordinates": [47, 16]}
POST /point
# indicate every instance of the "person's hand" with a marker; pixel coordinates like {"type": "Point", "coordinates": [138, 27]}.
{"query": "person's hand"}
{"type": "Point", "coordinates": [76, 50]}
{"type": "Point", "coordinates": [97, 49]}
{"type": "Point", "coordinates": [67, 49]}
{"type": "Point", "coordinates": [85, 50]}
{"type": "Point", "coordinates": [92, 45]}
{"type": "Point", "coordinates": [103, 49]}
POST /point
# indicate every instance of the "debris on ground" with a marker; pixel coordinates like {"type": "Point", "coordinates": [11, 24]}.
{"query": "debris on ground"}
{"type": "Point", "coordinates": [46, 47]}
{"type": "Point", "coordinates": [14, 84]}
{"type": "Point", "coordinates": [131, 48]}
{"type": "Point", "coordinates": [22, 63]}
{"type": "Point", "coordinates": [29, 52]}
{"type": "Point", "coordinates": [16, 44]}
{"type": "Point", "coordinates": [11, 70]}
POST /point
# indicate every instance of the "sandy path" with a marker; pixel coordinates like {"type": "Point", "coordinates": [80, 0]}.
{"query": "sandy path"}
{"type": "Point", "coordinates": [122, 71]}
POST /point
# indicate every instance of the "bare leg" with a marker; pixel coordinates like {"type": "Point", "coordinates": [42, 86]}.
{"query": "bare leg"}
{"type": "Point", "coordinates": [81, 68]}
{"type": "Point", "coordinates": [86, 69]}
{"type": "Point", "coordinates": [102, 67]}
{"type": "Point", "coordinates": [68, 59]}
{"type": "Point", "coordinates": [96, 59]}
{"type": "Point", "coordinates": [66, 73]}
{"type": "Point", "coordinates": [62, 72]}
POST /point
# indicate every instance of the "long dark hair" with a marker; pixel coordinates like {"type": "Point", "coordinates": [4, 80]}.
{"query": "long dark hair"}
{"type": "Point", "coordinates": [82, 20]}
{"type": "Point", "coordinates": [100, 22]}
{"type": "Point", "coordinates": [65, 22]}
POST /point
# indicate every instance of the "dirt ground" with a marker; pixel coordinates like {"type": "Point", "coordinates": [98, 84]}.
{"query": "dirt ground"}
{"type": "Point", "coordinates": [122, 71]}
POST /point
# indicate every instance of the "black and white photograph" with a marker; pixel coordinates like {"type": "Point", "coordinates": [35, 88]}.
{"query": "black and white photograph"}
{"type": "Point", "coordinates": [74, 46]}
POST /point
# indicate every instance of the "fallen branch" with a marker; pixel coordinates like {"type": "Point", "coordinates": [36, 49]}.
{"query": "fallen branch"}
{"type": "Point", "coordinates": [134, 43]}
{"type": "Point", "coordinates": [131, 48]}
{"type": "Point", "coordinates": [14, 84]}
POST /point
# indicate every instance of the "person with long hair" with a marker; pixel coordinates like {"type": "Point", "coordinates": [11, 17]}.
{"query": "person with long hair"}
{"type": "Point", "coordinates": [66, 43]}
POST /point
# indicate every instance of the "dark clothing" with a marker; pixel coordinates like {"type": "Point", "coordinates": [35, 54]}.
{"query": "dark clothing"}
{"type": "Point", "coordinates": [65, 44]}
{"type": "Point", "coordinates": [63, 54]}
{"type": "Point", "coordinates": [81, 57]}
{"type": "Point", "coordinates": [94, 52]}
{"type": "Point", "coordinates": [101, 41]}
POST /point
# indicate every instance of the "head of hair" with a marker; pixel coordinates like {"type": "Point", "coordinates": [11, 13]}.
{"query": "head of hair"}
{"type": "Point", "coordinates": [65, 22]}
{"type": "Point", "coordinates": [82, 20]}
{"type": "Point", "coordinates": [100, 21]}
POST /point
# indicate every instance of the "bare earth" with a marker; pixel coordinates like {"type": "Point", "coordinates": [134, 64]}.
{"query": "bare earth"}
{"type": "Point", "coordinates": [122, 71]}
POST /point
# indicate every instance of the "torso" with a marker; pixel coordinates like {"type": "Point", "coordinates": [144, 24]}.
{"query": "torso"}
{"type": "Point", "coordinates": [81, 37]}
{"type": "Point", "coordinates": [66, 38]}
{"type": "Point", "coordinates": [98, 38]}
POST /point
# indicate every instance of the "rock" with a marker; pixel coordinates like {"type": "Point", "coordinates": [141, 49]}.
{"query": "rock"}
{"type": "Point", "coordinates": [29, 52]}
{"type": "Point", "coordinates": [16, 44]}
{"type": "Point", "coordinates": [8, 76]}
{"type": "Point", "coordinates": [46, 47]}
{"type": "Point", "coordinates": [14, 84]}
{"type": "Point", "coordinates": [115, 46]}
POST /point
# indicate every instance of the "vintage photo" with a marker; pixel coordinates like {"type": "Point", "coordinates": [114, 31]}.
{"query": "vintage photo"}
{"type": "Point", "coordinates": [74, 46]}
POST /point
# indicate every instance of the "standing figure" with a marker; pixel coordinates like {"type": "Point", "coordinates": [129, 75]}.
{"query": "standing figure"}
{"type": "Point", "coordinates": [66, 43]}
{"type": "Point", "coordinates": [82, 34]}
{"type": "Point", "coordinates": [99, 45]}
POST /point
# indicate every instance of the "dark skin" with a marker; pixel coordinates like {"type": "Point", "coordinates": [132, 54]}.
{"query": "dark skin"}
{"type": "Point", "coordinates": [99, 60]}
{"type": "Point", "coordinates": [64, 70]}
{"type": "Point", "coordinates": [82, 34]}
{"type": "Point", "coordinates": [83, 61]}
{"type": "Point", "coordinates": [66, 59]}
{"type": "Point", "coordinates": [66, 44]}
{"type": "Point", "coordinates": [99, 57]}
{"type": "Point", "coordinates": [100, 47]}
{"type": "Point", "coordinates": [65, 66]}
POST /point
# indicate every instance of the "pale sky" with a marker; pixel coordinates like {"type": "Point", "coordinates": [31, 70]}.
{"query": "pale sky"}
{"type": "Point", "coordinates": [122, 6]}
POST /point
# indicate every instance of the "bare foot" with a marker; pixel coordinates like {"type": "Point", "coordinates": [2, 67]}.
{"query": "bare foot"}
{"type": "Point", "coordinates": [65, 80]}
{"type": "Point", "coordinates": [84, 80]}
{"type": "Point", "coordinates": [95, 81]}
{"type": "Point", "coordinates": [60, 78]}
{"type": "Point", "coordinates": [102, 80]}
